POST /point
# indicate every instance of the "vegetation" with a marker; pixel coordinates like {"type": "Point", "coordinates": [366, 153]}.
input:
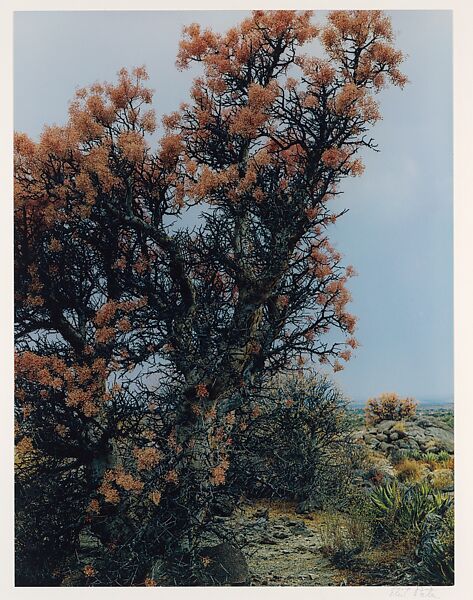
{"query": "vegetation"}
{"type": "Point", "coordinates": [296, 444]}
{"type": "Point", "coordinates": [410, 470]}
{"type": "Point", "coordinates": [436, 550]}
{"type": "Point", "coordinates": [403, 536]}
{"type": "Point", "coordinates": [163, 370]}
{"type": "Point", "coordinates": [389, 407]}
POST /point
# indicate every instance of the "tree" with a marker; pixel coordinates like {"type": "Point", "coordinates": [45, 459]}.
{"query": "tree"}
{"type": "Point", "coordinates": [139, 338]}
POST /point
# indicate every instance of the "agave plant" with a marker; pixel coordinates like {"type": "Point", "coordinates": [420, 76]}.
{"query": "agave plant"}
{"type": "Point", "coordinates": [430, 457]}
{"type": "Point", "coordinates": [443, 456]}
{"type": "Point", "coordinates": [436, 551]}
{"type": "Point", "coordinates": [398, 509]}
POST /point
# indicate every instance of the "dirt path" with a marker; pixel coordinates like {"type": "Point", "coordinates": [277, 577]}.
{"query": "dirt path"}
{"type": "Point", "coordinates": [282, 548]}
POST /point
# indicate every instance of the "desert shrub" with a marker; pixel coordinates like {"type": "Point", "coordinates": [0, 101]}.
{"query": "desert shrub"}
{"type": "Point", "coordinates": [410, 470]}
{"type": "Point", "coordinates": [448, 464]}
{"type": "Point", "coordinates": [49, 512]}
{"type": "Point", "coordinates": [400, 454]}
{"type": "Point", "coordinates": [401, 510]}
{"type": "Point", "coordinates": [399, 427]}
{"type": "Point", "coordinates": [389, 406]}
{"type": "Point", "coordinates": [435, 551]}
{"type": "Point", "coordinates": [344, 536]}
{"type": "Point", "coordinates": [296, 443]}
{"type": "Point", "coordinates": [438, 460]}
{"type": "Point", "coordinates": [441, 478]}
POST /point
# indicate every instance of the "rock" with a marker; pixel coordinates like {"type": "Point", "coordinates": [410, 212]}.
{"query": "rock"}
{"type": "Point", "coordinates": [380, 468]}
{"type": "Point", "coordinates": [280, 535]}
{"type": "Point", "coordinates": [412, 444]}
{"type": "Point", "coordinates": [262, 513]}
{"type": "Point", "coordinates": [385, 426]}
{"type": "Point", "coordinates": [224, 565]}
{"type": "Point", "coordinates": [302, 529]}
{"type": "Point", "coordinates": [292, 522]}
{"type": "Point", "coordinates": [424, 434]}
{"type": "Point", "coordinates": [224, 506]}
{"type": "Point", "coordinates": [443, 438]}
{"type": "Point", "coordinates": [421, 422]}
{"type": "Point", "coordinates": [269, 540]}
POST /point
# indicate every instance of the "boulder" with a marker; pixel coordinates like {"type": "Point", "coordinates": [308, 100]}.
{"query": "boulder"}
{"type": "Point", "coordinates": [421, 434]}
{"type": "Point", "coordinates": [224, 506]}
{"type": "Point", "coordinates": [412, 443]}
{"type": "Point", "coordinates": [224, 564]}
{"type": "Point", "coordinates": [443, 438]}
{"type": "Point", "coordinates": [384, 426]}
{"type": "Point", "coordinates": [423, 422]}
{"type": "Point", "coordinates": [385, 447]}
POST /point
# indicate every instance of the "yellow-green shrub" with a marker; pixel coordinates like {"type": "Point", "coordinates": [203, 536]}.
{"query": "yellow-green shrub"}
{"type": "Point", "coordinates": [399, 427]}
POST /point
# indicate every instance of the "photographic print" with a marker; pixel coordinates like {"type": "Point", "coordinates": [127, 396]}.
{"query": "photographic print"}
{"type": "Point", "coordinates": [233, 256]}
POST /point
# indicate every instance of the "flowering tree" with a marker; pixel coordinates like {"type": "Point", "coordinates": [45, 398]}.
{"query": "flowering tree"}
{"type": "Point", "coordinates": [138, 338]}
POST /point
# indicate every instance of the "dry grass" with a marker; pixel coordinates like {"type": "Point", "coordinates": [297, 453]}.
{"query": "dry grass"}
{"type": "Point", "coordinates": [342, 533]}
{"type": "Point", "coordinates": [446, 464]}
{"type": "Point", "coordinates": [388, 552]}
{"type": "Point", "coordinates": [286, 508]}
{"type": "Point", "coordinates": [441, 478]}
{"type": "Point", "coordinates": [400, 426]}
{"type": "Point", "coordinates": [410, 470]}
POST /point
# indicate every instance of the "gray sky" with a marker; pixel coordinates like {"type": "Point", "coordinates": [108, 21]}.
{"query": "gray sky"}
{"type": "Point", "coordinates": [398, 233]}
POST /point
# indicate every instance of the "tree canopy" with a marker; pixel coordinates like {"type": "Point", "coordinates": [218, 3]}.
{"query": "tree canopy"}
{"type": "Point", "coordinates": [140, 337]}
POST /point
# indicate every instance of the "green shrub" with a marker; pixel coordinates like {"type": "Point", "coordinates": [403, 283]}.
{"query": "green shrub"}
{"type": "Point", "coordinates": [436, 551]}
{"type": "Point", "coordinates": [400, 510]}
{"type": "Point", "coordinates": [436, 459]}
{"type": "Point", "coordinates": [430, 457]}
{"type": "Point", "coordinates": [296, 443]}
{"type": "Point", "coordinates": [443, 456]}
{"type": "Point", "coordinates": [400, 454]}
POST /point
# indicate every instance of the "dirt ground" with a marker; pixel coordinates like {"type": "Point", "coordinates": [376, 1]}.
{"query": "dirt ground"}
{"type": "Point", "coordinates": [282, 547]}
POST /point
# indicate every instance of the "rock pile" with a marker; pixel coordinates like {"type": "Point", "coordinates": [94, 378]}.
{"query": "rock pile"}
{"type": "Point", "coordinates": [419, 435]}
